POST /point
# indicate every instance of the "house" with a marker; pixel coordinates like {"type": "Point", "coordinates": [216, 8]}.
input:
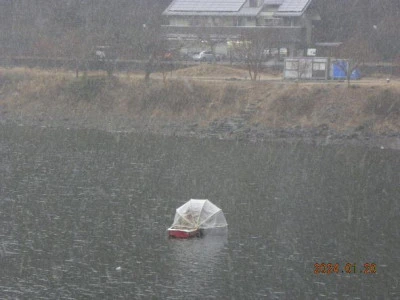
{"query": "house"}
{"type": "Point", "coordinates": [223, 21]}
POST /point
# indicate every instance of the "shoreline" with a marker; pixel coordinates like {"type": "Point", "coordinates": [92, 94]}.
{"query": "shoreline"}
{"type": "Point", "coordinates": [247, 134]}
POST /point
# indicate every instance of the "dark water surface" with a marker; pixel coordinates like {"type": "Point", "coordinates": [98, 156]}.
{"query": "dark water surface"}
{"type": "Point", "coordinates": [83, 215]}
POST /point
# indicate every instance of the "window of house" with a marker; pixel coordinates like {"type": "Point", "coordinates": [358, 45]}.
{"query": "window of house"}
{"type": "Point", "coordinates": [272, 22]}
{"type": "Point", "coordinates": [217, 21]}
{"type": "Point", "coordinates": [268, 22]}
{"type": "Point", "coordinates": [241, 21]}
{"type": "Point", "coordinates": [287, 22]}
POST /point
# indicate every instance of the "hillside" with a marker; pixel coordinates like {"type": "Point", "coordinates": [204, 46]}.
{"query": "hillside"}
{"type": "Point", "coordinates": [225, 108]}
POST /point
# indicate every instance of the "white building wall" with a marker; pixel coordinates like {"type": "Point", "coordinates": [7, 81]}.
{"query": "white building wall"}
{"type": "Point", "coordinates": [306, 68]}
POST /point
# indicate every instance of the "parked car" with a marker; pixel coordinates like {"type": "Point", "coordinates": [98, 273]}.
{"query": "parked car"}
{"type": "Point", "coordinates": [205, 56]}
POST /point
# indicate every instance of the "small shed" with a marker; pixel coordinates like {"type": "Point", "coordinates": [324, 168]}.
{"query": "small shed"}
{"type": "Point", "coordinates": [306, 68]}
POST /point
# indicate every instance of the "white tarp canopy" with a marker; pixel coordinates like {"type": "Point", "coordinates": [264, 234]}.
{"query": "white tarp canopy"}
{"type": "Point", "coordinates": [199, 214]}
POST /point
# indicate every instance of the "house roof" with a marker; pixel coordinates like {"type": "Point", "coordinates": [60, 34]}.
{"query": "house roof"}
{"type": "Point", "coordinates": [233, 8]}
{"type": "Point", "coordinates": [292, 8]}
{"type": "Point", "coordinates": [205, 5]}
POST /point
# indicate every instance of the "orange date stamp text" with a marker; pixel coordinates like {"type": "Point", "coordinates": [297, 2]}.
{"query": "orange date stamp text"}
{"type": "Point", "coordinates": [349, 268]}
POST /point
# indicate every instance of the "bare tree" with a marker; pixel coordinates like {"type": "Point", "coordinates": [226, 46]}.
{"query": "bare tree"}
{"type": "Point", "coordinates": [252, 48]}
{"type": "Point", "coordinates": [305, 69]}
{"type": "Point", "coordinates": [142, 34]}
{"type": "Point", "coordinates": [357, 52]}
{"type": "Point", "coordinates": [155, 47]}
{"type": "Point", "coordinates": [386, 37]}
{"type": "Point", "coordinates": [166, 67]}
{"type": "Point", "coordinates": [211, 40]}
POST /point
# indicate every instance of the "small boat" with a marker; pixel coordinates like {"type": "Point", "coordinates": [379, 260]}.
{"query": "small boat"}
{"type": "Point", "coordinates": [195, 218]}
{"type": "Point", "coordinates": [184, 233]}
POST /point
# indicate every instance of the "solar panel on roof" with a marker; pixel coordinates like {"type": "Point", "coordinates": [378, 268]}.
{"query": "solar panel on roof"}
{"type": "Point", "coordinates": [206, 5]}
{"type": "Point", "coordinates": [293, 5]}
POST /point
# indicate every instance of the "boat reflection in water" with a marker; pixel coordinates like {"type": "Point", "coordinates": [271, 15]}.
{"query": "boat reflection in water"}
{"type": "Point", "coordinates": [195, 263]}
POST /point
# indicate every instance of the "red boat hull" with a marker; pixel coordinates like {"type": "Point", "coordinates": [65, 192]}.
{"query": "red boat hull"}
{"type": "Point", "coordinates": [184, 234]}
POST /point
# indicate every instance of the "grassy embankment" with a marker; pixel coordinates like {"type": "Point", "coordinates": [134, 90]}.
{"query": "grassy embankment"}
{"type": "Point", "coordinates": [126, 100]}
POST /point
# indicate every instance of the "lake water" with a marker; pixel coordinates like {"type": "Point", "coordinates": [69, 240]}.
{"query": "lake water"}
{"type": "Point", "coordinates": [84, 213]}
